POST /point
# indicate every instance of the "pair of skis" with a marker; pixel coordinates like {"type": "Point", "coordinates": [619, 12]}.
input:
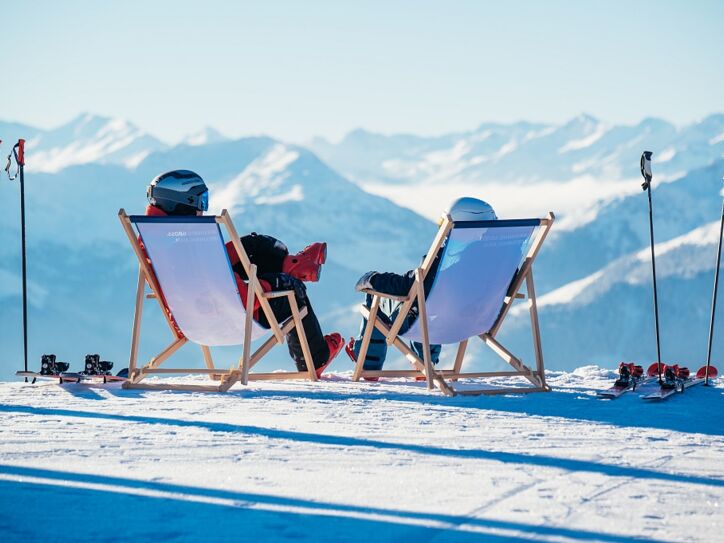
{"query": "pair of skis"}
{"type": "Point", "coordinates": [677, 381]}
{"type": "Point", "coordinates": [96, 371]}
{"type": "Point", "coordinates": [630, 377]}
{"type": "Point", "coordinates": [674, 380]}
{"type": "Point", "coordinates": [69, 377]}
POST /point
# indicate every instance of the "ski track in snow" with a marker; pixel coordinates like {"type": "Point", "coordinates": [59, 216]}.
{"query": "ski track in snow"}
{"type": "Point", "coordinates": [343, 461]}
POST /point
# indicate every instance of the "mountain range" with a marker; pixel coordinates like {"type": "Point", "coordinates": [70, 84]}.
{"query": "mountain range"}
{"type": "Point", "coordinates": [524, 152]}
{"type": "Point", "coordinates": [593, 275]}
{"type": "Point", "coordinates": [81, 269]}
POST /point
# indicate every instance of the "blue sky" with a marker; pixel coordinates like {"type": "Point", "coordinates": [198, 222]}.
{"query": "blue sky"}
{"type": "Point", "coordinates": [298, 69]}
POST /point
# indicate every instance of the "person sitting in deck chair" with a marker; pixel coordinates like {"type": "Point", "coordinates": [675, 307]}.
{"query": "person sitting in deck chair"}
{"type": "Point", "coordinates": [183, 192]}
{"type": "Point", "coordinates": [462, 209]}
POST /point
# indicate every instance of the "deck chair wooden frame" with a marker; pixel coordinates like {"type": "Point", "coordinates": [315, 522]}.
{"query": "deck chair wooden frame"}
{"type": "Point", "coordinates": [423, 366]}
{"type": "Point", "coordinates": [241, 372]}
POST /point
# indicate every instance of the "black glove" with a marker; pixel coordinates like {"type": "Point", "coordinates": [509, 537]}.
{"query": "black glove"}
{"type": "Point", "coordinates": [365, 282]}
{"type": "Point", "coordinates": [284, 281]}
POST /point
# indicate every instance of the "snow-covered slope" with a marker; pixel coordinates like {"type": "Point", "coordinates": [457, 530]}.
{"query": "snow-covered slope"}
{"type": "Point", "coordinates": [342, 461]}
{"type": "Point", "coordinates": [524, 151]}
{"type": "Point", "coordinates": [85, 139]}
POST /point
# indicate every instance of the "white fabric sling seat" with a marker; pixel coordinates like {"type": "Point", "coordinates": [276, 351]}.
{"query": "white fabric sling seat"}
{"type": "Point", "coordinates": [483, 265]}
{"type": "Point", "coordinates": [184, 262]}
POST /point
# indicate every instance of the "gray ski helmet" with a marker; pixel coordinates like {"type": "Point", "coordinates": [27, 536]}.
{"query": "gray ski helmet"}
{"type": "Point", "coordinates": [471, 209]}
{"type": "Point", "coordinates": [180, 192]}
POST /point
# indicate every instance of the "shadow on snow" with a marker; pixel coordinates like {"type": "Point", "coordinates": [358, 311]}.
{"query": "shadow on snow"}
{"type": "Point", "coordinates": [690, 412]}
{"type": "Point", "coordinates": [84, 507]}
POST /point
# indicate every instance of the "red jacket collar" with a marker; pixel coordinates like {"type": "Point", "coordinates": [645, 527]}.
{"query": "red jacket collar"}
{"type": "Point", "coordinates": [153, 211]}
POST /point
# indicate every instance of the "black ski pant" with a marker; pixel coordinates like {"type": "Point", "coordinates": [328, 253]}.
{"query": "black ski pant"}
{"type": "Point", "coordinates": [267, 252]}
{"type": "Point", "coordinates": [390, 283]}
{"type": "Point", "coordinates": [317, 344]}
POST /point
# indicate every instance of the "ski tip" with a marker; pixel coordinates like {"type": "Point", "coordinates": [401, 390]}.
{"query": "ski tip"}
{"type": "Point", "coordinates": [655, 369]}
{"type": "Point", "coordinates": [702, 373]}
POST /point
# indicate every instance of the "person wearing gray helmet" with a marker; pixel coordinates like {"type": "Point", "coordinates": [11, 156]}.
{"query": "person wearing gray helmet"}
{"type": "Point", "coordinates": [183, 192]}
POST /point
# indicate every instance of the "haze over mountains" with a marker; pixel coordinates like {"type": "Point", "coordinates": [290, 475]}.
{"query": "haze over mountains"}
{"type": "Point", "coordinates": [592, 275]}
{"type": "Point", "coordinates": [524, 152]}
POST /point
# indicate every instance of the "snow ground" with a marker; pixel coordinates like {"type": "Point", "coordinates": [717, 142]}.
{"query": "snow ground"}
{"type": "Point", "coordinates": [343, 461]}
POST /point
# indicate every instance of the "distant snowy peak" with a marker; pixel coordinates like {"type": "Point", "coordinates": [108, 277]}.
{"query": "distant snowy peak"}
{"type": "Point", "coordinates": [90, 138]}
{"type": "Point", "coordinates": [286, 191]}
{"type": "Point", "coordinates": [205, 136]}
{"type": "Point", "coordinates": [525, 152]}
{"type": "Point", "coordinates": [586, 131]}
{"type": "Point", "coordinates": [683, 257]}
{"type": "Point", "coordinates": [263, 181]}
{"type": "Point", "coordinates": [280, 173]}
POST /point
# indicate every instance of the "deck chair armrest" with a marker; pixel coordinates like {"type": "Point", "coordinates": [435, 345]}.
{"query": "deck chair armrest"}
{"type": "Point", "coordinates": [385, 295]}
{"type": "Point", "coordinates": [278, 294]}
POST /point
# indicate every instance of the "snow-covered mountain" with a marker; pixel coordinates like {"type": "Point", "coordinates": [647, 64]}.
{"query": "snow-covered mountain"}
{"type": "Point", "coordinates": [555, 466]}
{"type": "Point", "coordinates": [620, 225]}
{"type": "Point", "coordinates": [286, 191]}
{"type": "Point", "coordinates": [204, 136]}
{"type": "Point", "coordinates": [683, 257]}
{"type": "Point", "coordinates": [85, 139]}
{"type": "Point", "coordinates": [607, 316]}
{"type": "Point", "coordinates": [524, 152]}
{"type": "Point", "coordinates": [82, 272]}
{"type": "Point", "coordinates": [596, 248]}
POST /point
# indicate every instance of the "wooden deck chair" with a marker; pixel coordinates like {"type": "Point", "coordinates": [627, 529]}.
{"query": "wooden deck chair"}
{"type": "Point", "coordinates": [187, 268]}
{"type": "Point", "coordinates": [482, 269]}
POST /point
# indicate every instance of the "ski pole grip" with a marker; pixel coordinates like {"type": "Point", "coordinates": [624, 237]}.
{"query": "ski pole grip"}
{"type": "Point", "coordinates": [21, 152]}
{"type": "Point", "coordinates": [646, 169]}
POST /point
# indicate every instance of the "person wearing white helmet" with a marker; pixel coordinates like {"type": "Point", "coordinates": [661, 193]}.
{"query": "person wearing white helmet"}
{"type": "Point", "coordinates": [461, 210]}
{"type": "Point", "coordinates": [468, 208]}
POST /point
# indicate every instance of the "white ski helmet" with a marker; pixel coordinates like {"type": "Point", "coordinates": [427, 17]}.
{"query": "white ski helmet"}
{"type": "Point", "coordinates": [471, 209]}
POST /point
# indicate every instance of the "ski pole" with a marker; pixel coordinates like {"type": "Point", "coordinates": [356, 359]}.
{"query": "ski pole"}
{"type": "Point", "coordinates": [713, 297]}
{"type": "Point", "coordinates": [648, 176]}
{"type": "Point", "coordinates": [18, 151]}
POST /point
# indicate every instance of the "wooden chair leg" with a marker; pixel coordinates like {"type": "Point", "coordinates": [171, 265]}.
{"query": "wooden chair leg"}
{"type": "Point", "coordinates": [423, 325]}
{"type": "Point", "coordinates": [510, 358]}
{"type": "Point", "coordinates": [459, 357]}
{"type": "Point", "coordinates": [137, 316]}
{"type": "Point", "coordinates": [444, 387]}
{"type": "Point", "coordinates": [225, 219]}
{"type": "Point", "coordinates": [302, 338]}
{"type": "Point", "coordinates": [157, 360]}
{"type": "Point", "coordinates": [265, 347]}
{"type": "Point", "coordinates": [245, 359]}
{"type": "Point", "coordinates": [366, 338]}
{"type": "Point", "coordinates": [209, 362]}
{"type": "Point", "coordinates": [228, 379]}
{"type": "Point", "coordinates": [535, 329]}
